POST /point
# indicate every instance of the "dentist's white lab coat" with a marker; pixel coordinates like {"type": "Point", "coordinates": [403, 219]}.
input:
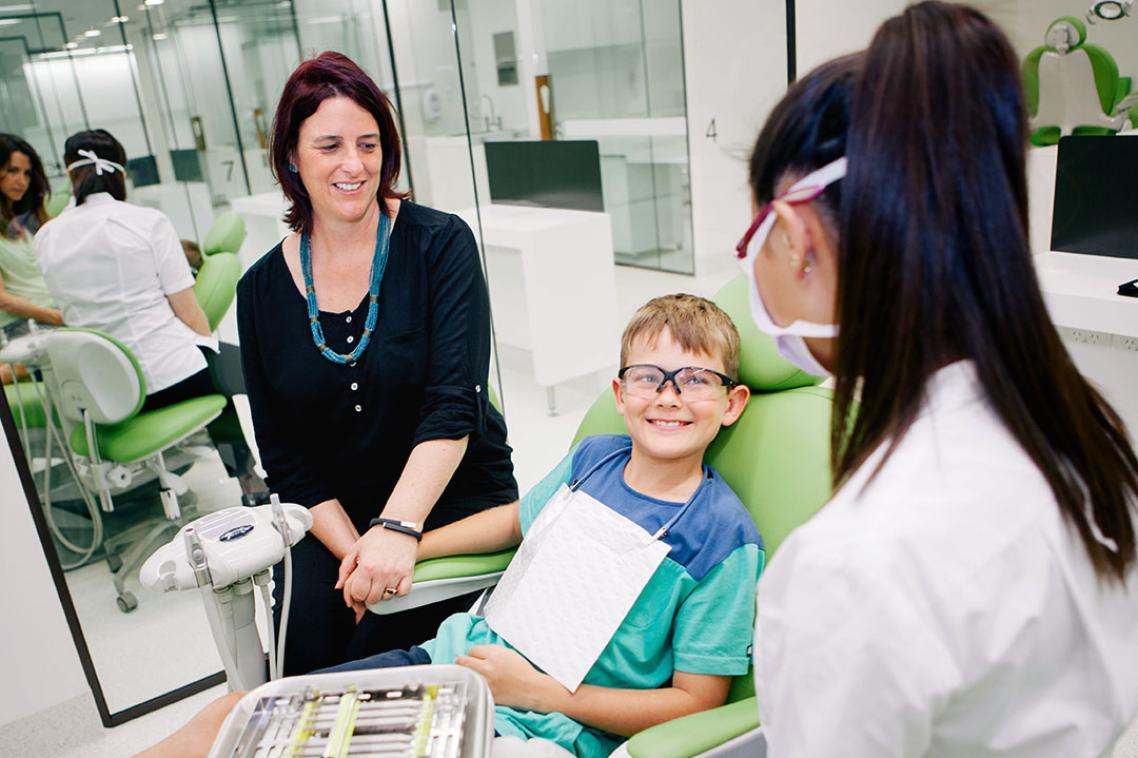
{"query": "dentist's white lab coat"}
{"type": "Point", "coordinates": [946, 611]}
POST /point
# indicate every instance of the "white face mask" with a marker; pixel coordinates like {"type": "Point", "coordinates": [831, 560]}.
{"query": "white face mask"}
{"type": "Point", "coordinates": [789, 339]}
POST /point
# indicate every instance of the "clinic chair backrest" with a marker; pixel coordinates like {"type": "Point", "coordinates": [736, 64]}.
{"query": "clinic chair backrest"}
{"type": "Point", "coordinates": [1081, 85]}
{"type": "Point", "coordinates": [94, 372]}
{"type": "Point", "coordinates": [226, 234]}
{"type": "Point", "coordinates": [216, 285]}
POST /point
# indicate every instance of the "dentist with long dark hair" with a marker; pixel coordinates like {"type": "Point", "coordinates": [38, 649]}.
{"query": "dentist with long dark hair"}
{"type": "Point", "coordinates": [970, 590]}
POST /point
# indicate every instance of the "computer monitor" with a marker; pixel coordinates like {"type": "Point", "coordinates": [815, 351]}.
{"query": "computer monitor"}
{"type": "Point", "coordinates": [142, 171]}
{"type": "Point", "coordinates": [1095, 212]}
{"type": "Point", "coordinates": [546, 174]}
{"type": "Point", "coordinates": [187, 165]}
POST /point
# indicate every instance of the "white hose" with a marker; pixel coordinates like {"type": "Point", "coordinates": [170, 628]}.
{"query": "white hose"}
{"type": "Point", "coordinates": [50, 433]}
{"type": "Point", "coordinates": [284, 607]}
{"type": "Point", "coordinates": [274, 671]}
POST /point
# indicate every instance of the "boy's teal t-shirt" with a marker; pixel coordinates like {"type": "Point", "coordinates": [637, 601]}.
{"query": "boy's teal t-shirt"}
{"type": "Point", "coordinates": [695, 615]}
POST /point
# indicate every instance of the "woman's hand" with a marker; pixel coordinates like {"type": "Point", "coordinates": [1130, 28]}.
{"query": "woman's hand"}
{"type": "Point", "coordinates": [378, 567]}
{"type": "Point", "coordinates": [513, 680]}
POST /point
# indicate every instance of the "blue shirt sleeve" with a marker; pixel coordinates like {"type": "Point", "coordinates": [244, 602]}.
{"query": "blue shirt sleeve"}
{"type": "Point", "coordinates": [541, 492]}
{"type": "Point", "coordinates": [714, 626]}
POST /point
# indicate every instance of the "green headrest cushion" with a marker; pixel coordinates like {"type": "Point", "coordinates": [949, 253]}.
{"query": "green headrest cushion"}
{"type": "Point", "coordinates": [216, 285]}
{"type": "Point", "coordinates": [760, 366]}
{"type": "Point", "coordinates": [1077, 26]}
{"type": "Point", "coordinates": [226, 234]}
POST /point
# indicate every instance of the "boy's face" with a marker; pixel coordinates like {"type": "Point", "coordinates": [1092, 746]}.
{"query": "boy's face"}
{"type": "Point", "coordinates": [670, 426]}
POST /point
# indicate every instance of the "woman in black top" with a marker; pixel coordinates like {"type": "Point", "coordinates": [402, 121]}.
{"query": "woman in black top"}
{"type": "Point", "coordinates": [369, 400]}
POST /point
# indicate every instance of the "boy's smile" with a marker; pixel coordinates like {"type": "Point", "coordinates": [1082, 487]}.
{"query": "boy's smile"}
{"type": "Point", "coordinates": [667, 427]}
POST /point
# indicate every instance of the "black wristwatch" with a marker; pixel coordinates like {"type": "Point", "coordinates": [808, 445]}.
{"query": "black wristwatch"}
{"type": "Point", "coordinates": [403, 527]}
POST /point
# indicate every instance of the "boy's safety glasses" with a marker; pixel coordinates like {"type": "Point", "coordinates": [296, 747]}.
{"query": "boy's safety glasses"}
{"type": "Point", "coordinates": [692, 382]}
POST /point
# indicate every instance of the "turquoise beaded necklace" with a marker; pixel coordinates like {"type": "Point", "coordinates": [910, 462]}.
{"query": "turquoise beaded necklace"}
{"type": "Point", "coordinates": [378, 265]}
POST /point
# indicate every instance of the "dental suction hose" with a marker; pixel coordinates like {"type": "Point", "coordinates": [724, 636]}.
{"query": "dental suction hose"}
{"type": "Point", "coordinates": [281, 525]}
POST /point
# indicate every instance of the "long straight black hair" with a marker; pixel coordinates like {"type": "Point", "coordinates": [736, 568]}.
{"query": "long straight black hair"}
{"type": "Point", "coordinates": [934, 212]}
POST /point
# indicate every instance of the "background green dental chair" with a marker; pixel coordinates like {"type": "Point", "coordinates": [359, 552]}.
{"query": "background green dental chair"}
{"type": "Point", "coordinates": [97, 389]}
{"type": "Point", "coordinates": [775, 457]}
{"type": "Point", "coordinates": [1073, 86]}
{"type": "Point", "coordinates": [57, 202]}
{"type": "Point", "coordinates": [216, 283]}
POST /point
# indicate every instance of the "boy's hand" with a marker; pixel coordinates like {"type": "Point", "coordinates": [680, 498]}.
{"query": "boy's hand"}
{"type": "Point", "coordinates": [513, 680]}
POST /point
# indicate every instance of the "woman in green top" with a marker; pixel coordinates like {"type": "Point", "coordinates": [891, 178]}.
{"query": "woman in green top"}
{"type": "Point", "coordinates": [23, 189]}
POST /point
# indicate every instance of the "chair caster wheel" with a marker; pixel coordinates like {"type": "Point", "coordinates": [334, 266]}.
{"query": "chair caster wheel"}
{"type": "Point", "coordinates": [127, 602]}
{"type": "Point", "coordinates": [114, 563]}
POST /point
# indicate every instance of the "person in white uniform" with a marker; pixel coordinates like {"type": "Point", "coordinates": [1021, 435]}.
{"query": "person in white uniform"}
{"type": "Point", "coordinates": [970, 590]}
{"type": "Point", "coordinates": [120, 269]}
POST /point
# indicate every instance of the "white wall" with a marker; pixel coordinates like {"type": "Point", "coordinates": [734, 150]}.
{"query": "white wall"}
{"type": "Point", "coordinates": [487, 18]}
{"type": "Point", "coordinates": [735, 82]}
{"type": "Point", "coordinates": [38, 662]}
{"type": "Point", "coordinates": [108, 95]}
{"type": "Point", "coordinates": [827, 29]}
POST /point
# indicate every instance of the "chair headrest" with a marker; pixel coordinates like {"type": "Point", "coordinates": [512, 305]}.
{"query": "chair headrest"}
{"type": "Point", "coordinates": [1065, 33]}
{"type": "Point", "coordinates": [760, 366]}
{"type": "Point", "coordinates": [96, 373]}
{"type": "Point", "coordinates": [226, 234]}
{"type": "Point", "coordinates": [216, 285]}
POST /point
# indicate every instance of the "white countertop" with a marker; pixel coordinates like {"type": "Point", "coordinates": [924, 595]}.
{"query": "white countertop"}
{"type": "Point", "coordinates": [1082, 291]}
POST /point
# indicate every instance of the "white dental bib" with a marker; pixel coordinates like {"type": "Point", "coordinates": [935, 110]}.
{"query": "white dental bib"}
{"type": "Point", "coordinates": [575, 577]}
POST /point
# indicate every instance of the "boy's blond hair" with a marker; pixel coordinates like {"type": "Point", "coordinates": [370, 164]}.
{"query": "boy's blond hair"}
{"type": "Point", "coordinates": [697, 324]}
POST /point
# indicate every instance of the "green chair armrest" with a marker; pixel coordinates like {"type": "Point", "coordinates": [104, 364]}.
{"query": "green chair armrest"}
{"type": "Point", "coordinates": [455, 566]}
{"type": "Point", "coordinates": [445, 578]}
{"type": "Point", "coordinates": [697, 733]}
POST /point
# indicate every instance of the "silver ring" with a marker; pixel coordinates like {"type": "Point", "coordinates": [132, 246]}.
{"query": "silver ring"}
{"type": "Point", "coordinates": [389, 591]}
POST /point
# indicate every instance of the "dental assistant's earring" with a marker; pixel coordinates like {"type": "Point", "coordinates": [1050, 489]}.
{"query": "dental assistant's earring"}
{"type": "Point", "coordinates": [292, 167]}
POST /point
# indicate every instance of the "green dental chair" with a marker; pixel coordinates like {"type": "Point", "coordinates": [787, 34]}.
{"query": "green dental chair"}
{"type": "Point", "coordinates": [97, 389]}
{"type": "Point", "coordinates": [776, 458]}
{"type": "Point", "coordinates": [1073, 86]}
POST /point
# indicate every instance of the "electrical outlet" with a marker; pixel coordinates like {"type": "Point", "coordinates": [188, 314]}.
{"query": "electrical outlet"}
{"type": "Point", "coordinates": [1088, 337]}
{"type": "Point", "coordinates": [1125, 343]}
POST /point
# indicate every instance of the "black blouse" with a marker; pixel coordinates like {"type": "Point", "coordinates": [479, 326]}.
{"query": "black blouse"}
{"type": "Point", "coordinates": [345, 431]}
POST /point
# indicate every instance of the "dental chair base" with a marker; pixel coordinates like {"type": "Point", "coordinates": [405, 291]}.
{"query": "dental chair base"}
{"type": "Point", "coordinates": [225, 555]}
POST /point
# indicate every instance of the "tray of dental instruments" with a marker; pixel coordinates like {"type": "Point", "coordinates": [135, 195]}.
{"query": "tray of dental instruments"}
{"type": "Point", "coordinates": [428, 711]}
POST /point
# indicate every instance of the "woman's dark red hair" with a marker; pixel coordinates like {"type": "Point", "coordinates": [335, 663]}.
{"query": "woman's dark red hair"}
{"type": "Point", "coordinates": [329, 74]}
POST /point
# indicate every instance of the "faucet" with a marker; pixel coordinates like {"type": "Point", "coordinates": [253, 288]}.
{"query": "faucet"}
{"type": "Point", "coordinates": [491, 121]}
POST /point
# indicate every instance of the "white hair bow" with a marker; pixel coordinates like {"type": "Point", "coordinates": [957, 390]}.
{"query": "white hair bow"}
{"type": "Point", "coordinates": [101, 164]}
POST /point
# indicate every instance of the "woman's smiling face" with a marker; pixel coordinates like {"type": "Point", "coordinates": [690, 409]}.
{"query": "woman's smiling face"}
{"type": "Point", "coordinates": [339, 160]}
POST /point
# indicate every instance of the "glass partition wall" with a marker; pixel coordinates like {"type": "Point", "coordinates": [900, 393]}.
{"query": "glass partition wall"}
{"type": "Point", "coordinates": [189, 88]}
{"type": "Point", "coordinates": [567, 135]}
